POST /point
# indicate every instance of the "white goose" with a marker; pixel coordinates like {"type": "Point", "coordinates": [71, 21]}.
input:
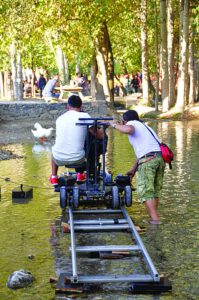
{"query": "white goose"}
{"type": "Point", "coordinates": [42, 133]}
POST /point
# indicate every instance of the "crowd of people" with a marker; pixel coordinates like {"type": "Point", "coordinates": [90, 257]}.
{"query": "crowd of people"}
{"type": "Point", "coordinates": [37, 85]}
{"type": "Point", "coordinates": [123, 85]}
{"type": "Point", "coordinates": [46, 87]}
{"type": "Point", "coordinates": [81, 80]}
{"type": "Point", "coordinates": [127, 84]}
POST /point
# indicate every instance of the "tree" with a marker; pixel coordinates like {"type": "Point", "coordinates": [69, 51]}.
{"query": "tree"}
{"type": "Point", "coordinates": [164, 57]}
{"type": "Point", "coordinates": [105, 61]}
{"type": "Point", "coordinates": [117, 34]}
{"type": "Point", "coordinates": [145, 76]}
{"type": "Point", "coordinates": [170, 44]}
{"type": "Point", "coordinates": [157, 59]}
{"type": "Point", "coordinates": [183, 57]}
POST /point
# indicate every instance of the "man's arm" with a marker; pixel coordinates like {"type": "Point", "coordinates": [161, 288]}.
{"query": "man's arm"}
{"type": "Point", "coordinates": [128, 129]}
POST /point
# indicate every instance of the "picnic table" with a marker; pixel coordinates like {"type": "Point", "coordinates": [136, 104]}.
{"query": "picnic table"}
{"type": "Point", "coordinates": [69, 89]}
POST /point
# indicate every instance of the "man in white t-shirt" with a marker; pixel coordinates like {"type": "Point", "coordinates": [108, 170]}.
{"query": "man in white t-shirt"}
{"type": "Point", "coordinates": [70, 140]}
{"type": "Point", "coordinates": [49, 88]}
{"type": "Point", "coordinates": [149, 165]}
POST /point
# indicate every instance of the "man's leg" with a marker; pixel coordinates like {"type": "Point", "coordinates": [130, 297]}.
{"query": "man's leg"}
{"type": "Point", "coordinates": [151, 207]}
{"type": "Point", "coordinates": [54, 168]}
{"type": "Point", "coordinates": [53, 178]}
{"type": "Point", "coordinates": [145, 187]}
{"type": "Point", "coordinates": [55, 95]}
{"type": "Point", "coordinates": [81, 175]}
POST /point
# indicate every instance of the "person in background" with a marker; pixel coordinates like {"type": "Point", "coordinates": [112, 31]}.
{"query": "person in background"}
{"type": "Point", "coordinates": [49, 88]}
{"type": "Point", "coordinates": [135, 83]}
{"type": "Point", "coordinates": [82, 82]}
{"type": "Point", "coordinates": [27, 88]}
{"type": "Point", "coordinates": [149, 165]}
{"type": "Point", "coordinates": [70, 140]}
{"type": "Point", "coordinates": [41, 84]}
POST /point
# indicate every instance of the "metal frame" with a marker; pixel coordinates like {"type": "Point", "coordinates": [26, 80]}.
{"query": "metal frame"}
{"type": "Point", "coordinates": [101, 225]}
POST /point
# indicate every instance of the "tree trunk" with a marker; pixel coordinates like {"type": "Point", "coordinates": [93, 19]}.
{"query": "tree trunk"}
{"type": "Point", "coordinates": [60, 64]}
{"type": "Point", "coordinates": [14, 68]}
{"type": "Point", "coordinates": [93, 72]}
{"type": "Point", "coordinates": [124, 68]}
{"type": "Point", "coordinates": [170, 30]}
{"type": "Point", "coordinates": [164, 57]}
{"type": "Point", "coordinates": [97, 91]}
{"type": "Point", "coordinates": [192, 82]}
{"type": "Point", "coordinates": [110, 65]}
{"type": "Point", "coordinates": [33, 83]}
{"type": "Point", "coordinates": [144, 46]}
{"type": "Point", "coordinates": [77, 67]}
{"type": "Point", "coordinates": [105, 62]}
{"type": "Point", "coordinates": [2, 85]}
{"type": "Point", "coordinates": [16, 72]}
{"type": "Point", "coordinates": [196, 76]}
{"type": "Point", "coordinates": [183, 57]}
{"type": "Point", "coordinates": [8, 87]}
{"type": "Point", "coordinates": [157, 60]}
{"type": "Point", "coordinates": [93, 81]}
{"type": "Point", "coordinates": [66, 69]}
{"type": "Point", "coordinates": [102, 75]}
{"type": "Point", "coordinates": [19, 77]}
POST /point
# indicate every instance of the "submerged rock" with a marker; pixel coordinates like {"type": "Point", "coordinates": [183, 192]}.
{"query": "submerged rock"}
{"type": "Point", "coordinates": [31, 256]}
{"type": "Point", "coordinates": [20, 279]}
{"type": "Point", "coordinates": [7, 154]}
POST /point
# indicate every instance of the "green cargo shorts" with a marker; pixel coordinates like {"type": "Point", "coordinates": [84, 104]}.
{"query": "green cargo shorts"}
{"type": "Point", "coordinates": [150, 178]}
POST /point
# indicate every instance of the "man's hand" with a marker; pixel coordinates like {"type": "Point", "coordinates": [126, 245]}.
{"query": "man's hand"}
{"type": "Point", "coordinates": [113, 123]}
{"type": "Point", "coordinates": [133, 170]}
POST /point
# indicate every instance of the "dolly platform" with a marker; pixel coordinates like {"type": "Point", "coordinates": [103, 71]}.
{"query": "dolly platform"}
{"type": "Point", "coordinates": [98, 206]}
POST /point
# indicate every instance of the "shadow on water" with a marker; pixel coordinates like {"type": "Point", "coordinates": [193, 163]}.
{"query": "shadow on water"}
{"type": "Point", "coordinates": [33, 227]}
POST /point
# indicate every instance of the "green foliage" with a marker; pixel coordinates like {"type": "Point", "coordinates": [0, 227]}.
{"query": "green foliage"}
{"type": "Point", "coordinates": [37, 26]}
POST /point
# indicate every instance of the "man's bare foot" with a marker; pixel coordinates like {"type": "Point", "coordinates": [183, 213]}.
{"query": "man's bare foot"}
{"type": "Point", "coordinates": [155, 222]}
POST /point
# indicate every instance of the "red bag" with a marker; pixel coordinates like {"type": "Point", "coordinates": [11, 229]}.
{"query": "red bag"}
{"type": "Point", "coordinates": [167, 154]}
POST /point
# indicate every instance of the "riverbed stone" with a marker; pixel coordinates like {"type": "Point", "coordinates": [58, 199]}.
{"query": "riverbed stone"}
{"type": "Point", "coordinates": [20, 279]}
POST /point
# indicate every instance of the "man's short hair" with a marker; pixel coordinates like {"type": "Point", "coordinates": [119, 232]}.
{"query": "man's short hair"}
{"type": "Point", "coordinates": [75, 101]}
{"type": "Point", "coordinates": [130, 115]}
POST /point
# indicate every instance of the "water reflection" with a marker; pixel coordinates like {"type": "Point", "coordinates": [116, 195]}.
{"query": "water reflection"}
{"type": "Point", "coordinates": [35, 228]}
{"type": "Point", "coordinates": [44, 147]}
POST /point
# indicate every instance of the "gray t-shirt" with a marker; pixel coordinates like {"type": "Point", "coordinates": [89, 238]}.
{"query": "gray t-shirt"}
{"type": "Point", "coordinates": [47, 92]}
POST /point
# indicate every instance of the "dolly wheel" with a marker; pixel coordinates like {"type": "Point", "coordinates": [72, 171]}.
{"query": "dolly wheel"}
{"type": "Point", "coordinates": [63, 197]}
{"type": "Point", "coordinates": [128, 195]}
{"type": "Point", "coordinates": [115, 197]}
{"type": "Point", "coordinates": [75, 197]}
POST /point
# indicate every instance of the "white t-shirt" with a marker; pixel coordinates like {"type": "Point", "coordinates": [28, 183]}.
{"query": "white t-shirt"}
{"type": "Point", "coordinates": [142, 140]}
{"type": "Point", "coordinates": [70, 138]}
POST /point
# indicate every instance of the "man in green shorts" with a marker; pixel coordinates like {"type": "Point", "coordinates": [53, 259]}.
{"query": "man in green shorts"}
{"type": "Point", "coordinates": [149, 165]}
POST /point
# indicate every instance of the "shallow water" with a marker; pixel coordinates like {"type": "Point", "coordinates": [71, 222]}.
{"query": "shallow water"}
{"type": "Point", "coordinates": [34, 227]}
